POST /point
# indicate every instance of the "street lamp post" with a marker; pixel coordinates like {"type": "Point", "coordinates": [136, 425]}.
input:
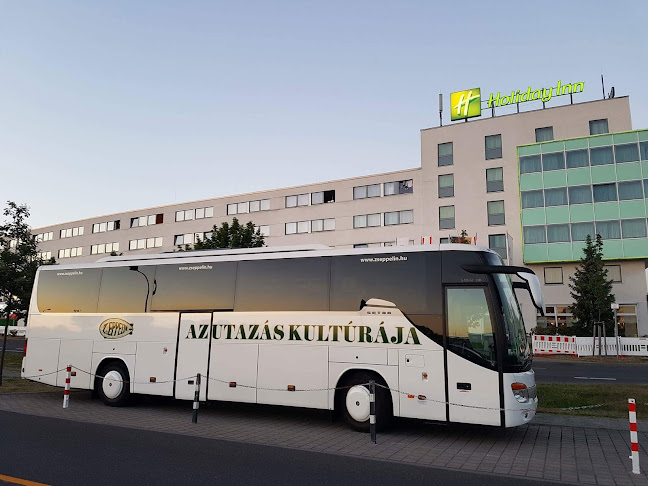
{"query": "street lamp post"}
{"type": "Point", "coordinates": [148, 286]}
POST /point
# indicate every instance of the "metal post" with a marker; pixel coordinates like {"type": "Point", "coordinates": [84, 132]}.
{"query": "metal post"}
{"type": "Point", "coordinates": [372, 410]}
{"type": "Point", "coordinates": [4, 342]}
{"type": "Point", "coordinates": [634, 441]}
{"type": "Point", "coordinates": [66, 392]}
{"type": "Point", "coordinates": [194, 418]}
{"type": "Point", "coordinates": [615, 307]}
{"type": "Point", "coordinates": [604, 338]}
{"type": "Point", "coordinates": [594, 340]}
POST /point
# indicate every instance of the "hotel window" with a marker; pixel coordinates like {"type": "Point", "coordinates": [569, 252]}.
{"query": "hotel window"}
{"type": "Point", "coordinates": [498, 243]}
{"type": "Point", "coordinates": [298, 227]}
{"type": "Point", "coordinates": [190, 238]}
{"type": "Point", "coordinates": [496, 213]}
{"type": "Point", "coordinates": [44, 237]}
{"type": "Point", "coordinates": [579, 231]}
{"type": "Point", "coordinates": [580, 194]}
{"type": "Point", "coordinates": [366, 220]}
{"type": "Point", "coordinates": [445, 154]}
{"type": "Point", "coordinates": [70, 252]}
{"type": "Point", "coordinates": [399, 187]}
{"type": "Point", "coordinates": [399, 217]}
{"type": "Point", "coordinates": [601, 156]}
{"type": "Point", "coordinates": [626, 153]}
{"type": "Point", "coordinates": [553, 161]}
{"type": "Point", "coordinates": [446, 185]}
{"type": "Point", "coordinates": [556, 316]}
{"type": "Point", "coordinates": [643, 148]}
{"type": "Point", "coordinates": [444, 240]}
{"type": "Point", "coordinates": [609, 230]}
{"type": "Point", "coordinates": [553, 275]}
{"type": "Point", "coordinates": [495, 179]}
{"type": "Point", "coordinates": [70, 232]}
{"type": "Point", "coordinates": [144, 243]}
{"type": "Point", "coordinates": [297, 200]}
{"type": "Point", "coordinates": [598, 127]}
{"type": "Point", "coordinates": [633, 228]}
{"type": "Point", "coordinates": [104, 248]}
{"type": "Point", "coordinates": [530, 164]}
{"type": "Point", "coordinates": [45, 255]}
{"type": "Point", "coordinates": [613, 272]}
{"type": "Point", "coordinates": [446, 217]}
{"type": "Point", "coordinates": [493, 147]}
{"type": "Point", "coordinates": [532, 199]}
{"type": "Point", "coordinates": [630, 190]}
{"type": "Point", "coordinates": [107, 226]}
{"type": "Point", "coordinates": [318, 225]}
{"type": "Point", "coordinates": [362, 192]}
{"type": "Point", "coordinates": [627, 319]}
{"type": "Point", "coordinates": [534, 234]}
{"type": "Point", "coordinates": [577, 158]}
{"type": "Point", "coordinates": [246, 207]}
{"type": "Point", "coordinates": [361, 245]}
{"type": "Point", "coordinates": [544, 134]}
{"type": "Point", "coordinates": [322, 197]}
{"type": "Point", "coordinates": [149, 220]}
{"type": "Point", "coordinates": [556, 197]}
{"type": "Point", "coordinates": [557, 233]}
{"type": "Point", "coordinates": [191, 214]}
{"type": "Point", "coordinates": [605, 192]}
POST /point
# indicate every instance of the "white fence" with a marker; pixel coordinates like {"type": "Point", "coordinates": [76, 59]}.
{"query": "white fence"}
{"type": "Point", "coordinates": [585, 346]}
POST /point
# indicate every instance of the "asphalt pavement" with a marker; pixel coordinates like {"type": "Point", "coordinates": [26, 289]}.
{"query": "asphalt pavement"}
{"type": "Point", "coordinates": [54, 451]}
{"type": "Point", "coordinates": [552, 370]}
{"type": "Point", "coordinates": [14, 345]}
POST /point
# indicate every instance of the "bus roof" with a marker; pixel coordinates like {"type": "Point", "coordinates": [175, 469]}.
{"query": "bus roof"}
{"type": "Point", "coordinates": [263, 253]}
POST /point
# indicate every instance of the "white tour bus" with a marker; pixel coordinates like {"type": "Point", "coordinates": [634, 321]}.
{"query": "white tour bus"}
{"type": "Point", "coordinates": [440, 326]}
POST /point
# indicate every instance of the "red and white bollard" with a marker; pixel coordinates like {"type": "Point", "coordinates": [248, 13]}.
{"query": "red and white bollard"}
{"type": "Point", "coordinates": [66, 392]}
{"type": "Point", "coordinates": [634, 441]}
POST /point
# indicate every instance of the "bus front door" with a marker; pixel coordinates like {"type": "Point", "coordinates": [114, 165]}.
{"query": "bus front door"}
{"type": "Point", "coordinates": [194, 337]}
{"type": "Point", "coordinates": [473, 378]}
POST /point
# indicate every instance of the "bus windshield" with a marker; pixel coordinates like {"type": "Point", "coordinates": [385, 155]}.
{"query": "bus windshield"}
{"type": "Point", "coordinates": [516, 352]}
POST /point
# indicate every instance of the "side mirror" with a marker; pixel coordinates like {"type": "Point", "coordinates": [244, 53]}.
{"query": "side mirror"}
{"type": "Point", "coordinates": [532, 283]}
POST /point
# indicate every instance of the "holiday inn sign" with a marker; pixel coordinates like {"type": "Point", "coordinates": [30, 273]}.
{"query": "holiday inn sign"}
{"type": "Point", "coordinates": [467, 103]}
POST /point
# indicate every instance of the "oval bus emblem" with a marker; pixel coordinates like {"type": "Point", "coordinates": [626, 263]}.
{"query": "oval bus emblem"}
{"type": "Point", "coordinates": [115, 328]}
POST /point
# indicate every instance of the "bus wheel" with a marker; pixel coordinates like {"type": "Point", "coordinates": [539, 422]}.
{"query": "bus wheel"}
{"type": "Point", "coordinates": [355, 403]}
{"type": "Point", "coordinates": [113, 385]}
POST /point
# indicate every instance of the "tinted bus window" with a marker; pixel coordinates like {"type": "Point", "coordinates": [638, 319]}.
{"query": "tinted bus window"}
{"type": "Point", "coordinates": [69, 290]}
{"type": "Point", "coordinates": [300, 284]}
{"type": "Point", "coordinates": [409, 280]}
{"type": "Point", "coordinates": [452, 271]}
{"type": "Point", "coordinates": [201, 286]}
{"type": "Point", "coordinates": [126, 289]}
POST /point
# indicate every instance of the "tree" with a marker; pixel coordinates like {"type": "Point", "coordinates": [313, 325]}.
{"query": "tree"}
{"type": "Point", "coordinates": [19, 260]}
{"type": "Point", "coordinates": [230, 236]}
{"type": "Point", "coordinates": [591, 290]}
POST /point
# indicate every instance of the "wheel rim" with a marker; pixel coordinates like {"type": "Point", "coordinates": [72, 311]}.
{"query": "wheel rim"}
{"type": "Point", "coordinates": [113, 384]}
{"type": "Point", "coordinates": [357, 403]}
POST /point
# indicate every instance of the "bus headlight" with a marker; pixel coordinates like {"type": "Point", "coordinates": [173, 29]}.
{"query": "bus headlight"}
{"type": "Point", "coordinates": [521, 392]}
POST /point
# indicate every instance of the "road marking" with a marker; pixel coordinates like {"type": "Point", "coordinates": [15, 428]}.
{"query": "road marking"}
{"type": "Point", "coordinates": [592, 378]}
{"type": "Point", "coordinates": [24, 482]}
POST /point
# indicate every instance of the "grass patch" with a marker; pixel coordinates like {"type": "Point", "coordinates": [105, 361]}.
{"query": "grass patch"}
{"type": "Point", "coordinates": [12, 361]}
{"type": "Point", "coordinates": [18, 385]}
{"type": "Point", "coordinates": [553, 397]}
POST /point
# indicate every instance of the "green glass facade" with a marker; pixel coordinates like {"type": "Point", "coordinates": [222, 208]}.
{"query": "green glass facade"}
{"type": "Point", "coordinates": [574, 187]}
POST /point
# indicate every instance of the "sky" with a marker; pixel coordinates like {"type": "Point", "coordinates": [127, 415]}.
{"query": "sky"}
{"type": "Point", "coordinates": [123, 105]}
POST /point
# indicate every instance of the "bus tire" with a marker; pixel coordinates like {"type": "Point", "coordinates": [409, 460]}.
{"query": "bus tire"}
{"type": "Point", "coordinates": [113, 384]}
{"type": "Point", "coordinates": [353, 403]}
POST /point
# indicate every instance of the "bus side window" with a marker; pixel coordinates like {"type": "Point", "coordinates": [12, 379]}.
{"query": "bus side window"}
{"type": "Point", "coordinates": [195, 286]}
{"type": "Point", "coordinates": [124, 289]}
{"type": "Point", "coordinates": [409, 280]}
{"type": "Point", "coordinates": [69, 290]}
{"type": "Point", "coordinates": [470, 329]}
{"type": "Point", "coordinates": [297, 284]}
